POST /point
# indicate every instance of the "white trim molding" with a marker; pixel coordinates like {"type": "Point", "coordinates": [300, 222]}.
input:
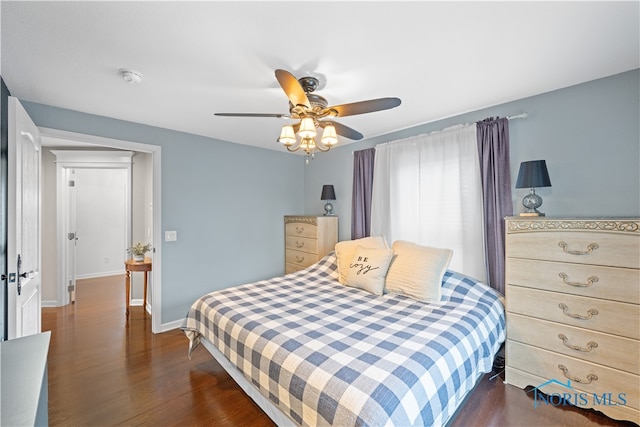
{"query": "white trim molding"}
{"type": "Point", "coordinates": [56, 137]}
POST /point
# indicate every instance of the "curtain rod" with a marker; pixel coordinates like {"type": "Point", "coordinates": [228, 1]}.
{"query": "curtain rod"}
{"type": "Point", "coordinates": [517, 116]}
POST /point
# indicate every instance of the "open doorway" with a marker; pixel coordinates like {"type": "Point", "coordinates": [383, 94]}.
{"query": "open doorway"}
{"type": "Point", "coordinates": [143, 194]}
{"type": "Point", "coordinates": [93, 216]}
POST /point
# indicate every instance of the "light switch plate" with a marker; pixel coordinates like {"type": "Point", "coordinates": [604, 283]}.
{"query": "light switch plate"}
{"type": "Point", "coordinates": [170, 236]}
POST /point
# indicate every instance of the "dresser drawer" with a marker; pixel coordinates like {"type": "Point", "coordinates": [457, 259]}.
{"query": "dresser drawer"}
{"type": "Point", "coordinates": [301, 229]}
{"type": "Point", "coordinates": [618, 284]}
{"type": "Point", "coordinates": [600, 315]}
{"type": "Point", "coordinates": [299, 258]}
{"type": "Point", "coordinates": [545, 364]}
{"type": "Point", "coordinates": [291, 268]}
{"type": "Point", "coordinates": [303, 244]}
{"type": "Point", "coordinates": [307, 239]}
{"type": "Point", "coordinates": [610, 350]}
{"type": "Point", "coordinates": [584, 247]}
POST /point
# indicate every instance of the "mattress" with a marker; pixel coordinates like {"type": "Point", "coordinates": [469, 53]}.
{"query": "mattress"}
{"type": "Point", "coordinates": [327, 354]}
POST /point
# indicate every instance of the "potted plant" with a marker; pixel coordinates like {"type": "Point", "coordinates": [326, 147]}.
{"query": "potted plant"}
{"type": "Point", "coordinates": [138, 250]}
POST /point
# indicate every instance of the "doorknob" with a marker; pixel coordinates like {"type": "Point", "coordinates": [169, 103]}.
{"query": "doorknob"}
{"type": "Point", "coordinates": [20, 274]}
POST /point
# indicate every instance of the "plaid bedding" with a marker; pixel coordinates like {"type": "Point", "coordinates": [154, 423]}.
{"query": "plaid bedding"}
{"type": "Point", "coordinates": [328, 354]}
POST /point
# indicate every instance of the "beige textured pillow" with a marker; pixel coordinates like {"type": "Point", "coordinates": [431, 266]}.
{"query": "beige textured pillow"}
{"type": "Point", "coordinates": [368, 269]}
{"type": "Point", "coordinates": [345, 250]}
{"type": "Point", "coordinates": [417, 271]}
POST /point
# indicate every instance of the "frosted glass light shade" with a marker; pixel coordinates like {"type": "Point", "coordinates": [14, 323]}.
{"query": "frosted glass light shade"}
{"type": "Point", "coordinates": [287, 136]}
{"type": "Point", "coordinates": [329, 136]}
{"type": "Point", "coordinates": [307, 128]}
{"type": "Point", "coordinates": [308, 144]}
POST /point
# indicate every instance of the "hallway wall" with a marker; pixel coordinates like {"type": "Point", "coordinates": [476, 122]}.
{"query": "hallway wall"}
{"type": "Point", "coordinates": [101, 220]}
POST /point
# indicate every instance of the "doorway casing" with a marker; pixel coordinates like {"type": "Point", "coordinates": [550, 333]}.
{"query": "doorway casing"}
{"type": "Point", "coordinates": [54, 137]}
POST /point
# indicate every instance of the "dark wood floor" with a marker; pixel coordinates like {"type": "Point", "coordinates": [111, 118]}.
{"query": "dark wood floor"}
{"type": "Point", "coordinates": [105, 369]}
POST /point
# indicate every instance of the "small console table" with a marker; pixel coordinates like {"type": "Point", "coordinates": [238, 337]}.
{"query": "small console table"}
{"type": "Point", "coordinates": [145, 267]}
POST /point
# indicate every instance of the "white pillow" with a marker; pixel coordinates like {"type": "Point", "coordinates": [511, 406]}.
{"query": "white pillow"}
{"type": "Point", "coordinates": [417, 271]}
{"type": "Point", "coordinates": [368, 269]}
{"type": "Point", "coordinates": [345, 250]}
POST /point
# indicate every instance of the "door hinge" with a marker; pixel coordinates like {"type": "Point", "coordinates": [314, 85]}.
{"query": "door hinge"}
{"type": "Point", "coordinates": [72, 183]}
{"type": "Point", "coordinates": [71, 287]}
{"type": "Point", "coordinates": [71, 236]}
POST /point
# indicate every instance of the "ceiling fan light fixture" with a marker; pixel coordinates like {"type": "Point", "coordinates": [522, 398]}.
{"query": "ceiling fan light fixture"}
{"type": "Point", "coordinates": [310, 108]}
{"type": "Point", "coordinates": [287, 135]}
{"type": "Point", "coordinates": [329, 136]}
{"type": "Point", "coordinates": [307, 128]}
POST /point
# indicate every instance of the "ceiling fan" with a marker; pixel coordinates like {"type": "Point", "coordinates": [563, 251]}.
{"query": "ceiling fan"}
{"type": "Point", "coordinates": [314, 112]}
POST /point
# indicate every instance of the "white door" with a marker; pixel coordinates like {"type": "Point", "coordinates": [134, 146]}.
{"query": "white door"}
{"type": "Point", "coordinates": [71, 233]}
{"type": "Point", "coordinates": [23, 246]}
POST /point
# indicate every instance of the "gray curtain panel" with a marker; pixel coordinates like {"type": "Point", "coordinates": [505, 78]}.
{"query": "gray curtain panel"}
{"type": "Point", "coordinates": [493, 150]}
{"type": "Point", "coordinates": [361, 195]}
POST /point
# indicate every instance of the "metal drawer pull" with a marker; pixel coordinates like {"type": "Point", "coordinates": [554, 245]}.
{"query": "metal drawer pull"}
{"type": "Point", "coordinates": [590, 313]}
{"type": "Point", "coordinates": [590, 281]}
{"type": "Point", "coordinates": [590, 345]}
{"type": "Point", "coordinates": [299, 229]}
{"type": "Point", "coordinates": [299, 258]}
{"type": "Point", "coordinates": [590, 248]}
{"type": "Point", "coordinates": [590, 377]}
{"type": "Point", "coordinates": [299, 245]}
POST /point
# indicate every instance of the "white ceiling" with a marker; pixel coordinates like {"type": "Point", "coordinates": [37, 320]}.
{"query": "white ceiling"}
{"type": "Point", "coordinates": [198, 58]}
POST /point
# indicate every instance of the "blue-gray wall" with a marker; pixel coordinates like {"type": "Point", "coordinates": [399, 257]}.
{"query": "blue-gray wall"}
{"type": "Point", "coordinates": [227, 201]}
{"type": "Point", "coordinates": [589, 134]}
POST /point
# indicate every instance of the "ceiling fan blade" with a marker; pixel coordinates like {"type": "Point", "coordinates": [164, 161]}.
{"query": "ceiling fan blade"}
{"type": "Point", "coordinates": [343, 130]}
{"type": "Point", "coordinates": [363, 107]}
{"type": "Point", "coordinates": [276, 115]}
{"type": "Point", "coordinates": [292, 88]}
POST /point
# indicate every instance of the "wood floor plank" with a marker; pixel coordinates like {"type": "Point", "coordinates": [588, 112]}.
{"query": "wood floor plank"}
{"type": "Point", "coordinates": [106, 369]}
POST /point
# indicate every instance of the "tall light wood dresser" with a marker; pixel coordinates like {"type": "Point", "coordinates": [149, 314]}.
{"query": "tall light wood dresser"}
{"type": "Point", "coordinates": [573, 312]}
{"type": "Point", "coordinates": [307, 239]}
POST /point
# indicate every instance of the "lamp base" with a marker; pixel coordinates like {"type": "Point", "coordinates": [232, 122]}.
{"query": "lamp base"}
{"type": "Point", "coordinates": [532, 202]}
{"type": "Point", "coordinates": [328, 209]}
{"type": "Point", "coordinates": [531, 214]}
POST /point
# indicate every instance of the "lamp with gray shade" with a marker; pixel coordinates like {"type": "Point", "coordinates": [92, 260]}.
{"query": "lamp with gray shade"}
{"type": "Point", "coordinates": [328, 193]}
{"type": "Point", "coordinates": [533, 174]}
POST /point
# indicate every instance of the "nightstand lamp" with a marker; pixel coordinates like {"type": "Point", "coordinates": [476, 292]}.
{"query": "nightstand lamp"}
{"type": "Point", "coordinates": [328, 193]}
{"type": "Point", "coordinates": [533, 174]}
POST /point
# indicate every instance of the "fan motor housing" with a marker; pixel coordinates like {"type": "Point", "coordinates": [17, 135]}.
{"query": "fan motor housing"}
{"type": "Point", "coordinates": [308, 83]}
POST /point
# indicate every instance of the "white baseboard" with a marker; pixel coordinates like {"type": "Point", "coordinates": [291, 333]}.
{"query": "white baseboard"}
{"type": "Point", "coordinates": [136, 302]}
{"type": "Point", "coordinates": [103, 274]}
{"type": "Point", "coordinates": [51, 303]}
{"type": "Point", "coordinates": [170, 326]}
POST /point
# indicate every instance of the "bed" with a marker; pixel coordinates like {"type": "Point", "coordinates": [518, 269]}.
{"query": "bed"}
{"type": "Point", "coordinates": [312, 351]}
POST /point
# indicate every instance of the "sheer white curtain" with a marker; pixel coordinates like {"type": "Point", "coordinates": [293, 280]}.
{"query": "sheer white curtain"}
{"type": "Point", "coordinates": [427, 190]}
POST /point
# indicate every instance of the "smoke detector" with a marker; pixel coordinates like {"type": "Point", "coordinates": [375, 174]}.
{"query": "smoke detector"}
{"type": "Point", "coordinates": [131, 76]}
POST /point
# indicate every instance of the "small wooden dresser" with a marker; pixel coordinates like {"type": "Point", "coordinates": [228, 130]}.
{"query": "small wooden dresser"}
{"type": "Point", "coordinates": [573, 311]}
{"type": "Point", "coordinates": [307, 239]}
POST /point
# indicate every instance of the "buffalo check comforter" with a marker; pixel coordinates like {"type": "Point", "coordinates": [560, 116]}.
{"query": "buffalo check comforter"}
{"type": "Point", "coordinates": [328, 354]}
